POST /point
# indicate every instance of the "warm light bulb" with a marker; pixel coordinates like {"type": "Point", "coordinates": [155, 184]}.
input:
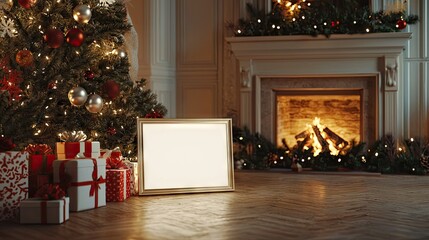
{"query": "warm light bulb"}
{"type": "Point", "coordinates": [412, 139]}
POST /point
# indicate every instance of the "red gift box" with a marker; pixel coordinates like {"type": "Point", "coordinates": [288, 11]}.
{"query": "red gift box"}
{"type": "Point", "coordinates": [41, 171]}
{"type": "Point", "coordinates": [118, 182]}
{"type": "Point", "coordinates": [41, 163]}
{"type": "Point", "coordinates": [68, 150]}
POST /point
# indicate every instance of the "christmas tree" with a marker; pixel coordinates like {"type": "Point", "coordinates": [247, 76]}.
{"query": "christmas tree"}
{"type": "Point", "coordinates": [64, 68]}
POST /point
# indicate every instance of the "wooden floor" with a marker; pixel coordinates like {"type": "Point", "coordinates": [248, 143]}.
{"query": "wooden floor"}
{"type": "Point", "coordinates": [265, 205]}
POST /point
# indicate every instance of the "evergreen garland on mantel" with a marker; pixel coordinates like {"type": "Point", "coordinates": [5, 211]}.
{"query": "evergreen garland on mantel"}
{"type": "Point", "coordinates": [301, 17]}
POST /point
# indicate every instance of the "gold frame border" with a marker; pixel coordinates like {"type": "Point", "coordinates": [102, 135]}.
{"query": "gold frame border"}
{"type": "Point", "coordinates": [230, 162]}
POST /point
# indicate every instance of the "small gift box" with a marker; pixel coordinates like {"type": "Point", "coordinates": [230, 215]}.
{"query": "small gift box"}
{"type": "Point", "coordinates": [118, 180]}
{"type": "Point", "coordinates": [13, 183]}
{"type": "Point", "coordinates": [35, 210]}
{"type": "Point", "coordinates": [117, 185]}
{"type": "Point", "coordinates": [84, 181]}
{"type": "Point", "coordinates": [134, 171]}
{"type": "Point", "coordinates": [67, 150]}
{"type": "Point", "coordinates": [52, 207]}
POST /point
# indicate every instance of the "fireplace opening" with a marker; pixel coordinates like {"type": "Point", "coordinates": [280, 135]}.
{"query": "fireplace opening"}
{"type": "Point", "coordinates": [320, 119]}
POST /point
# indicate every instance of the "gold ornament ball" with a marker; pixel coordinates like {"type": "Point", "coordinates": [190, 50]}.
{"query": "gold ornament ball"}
{"type": "Point", "coordinates": [82, 13]}
{"type": "Point", "coordinates": [94, 103]}
{"type": "Point", "coordinates": [6, 4]}
{"type": "Point", "coordinates": [77, 96]}
{"type": "Point", "coordinates": [24, 58]}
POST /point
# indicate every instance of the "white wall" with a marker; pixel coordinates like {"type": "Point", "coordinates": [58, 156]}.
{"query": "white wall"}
{"type": "Point", "coordinates": [154, 21]}
{"type": "Point", "coordinates": [184, 53]}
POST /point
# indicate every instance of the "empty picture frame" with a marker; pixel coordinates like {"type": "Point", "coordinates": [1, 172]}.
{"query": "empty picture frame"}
{"type": "Point", "coordinates": [185, 156]}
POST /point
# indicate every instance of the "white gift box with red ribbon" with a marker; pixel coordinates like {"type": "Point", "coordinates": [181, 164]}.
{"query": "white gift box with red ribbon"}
{"type": "Point", "coordinates": [41, 211]}
{"type": "Point", "coordinates": [85, 181]}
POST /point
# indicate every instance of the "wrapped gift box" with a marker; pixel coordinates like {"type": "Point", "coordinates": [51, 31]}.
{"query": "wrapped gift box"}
{"type": "Point", "coordinates": [13, 183]}
{"type": "Point", "coordinates": [67, 150]}
{"type": "Point", "coordinates": [40, 172]}
{"type": "Point", "coordinates": [118, 183]}
{"type": "Point", "coordinates": [85, 181]}
{"type": "Point", "coordinates": [134, 171]}
{"type": "Point", "coordinates": [40, 211]}
{"type": "Point", "coordinates": [41, 163]}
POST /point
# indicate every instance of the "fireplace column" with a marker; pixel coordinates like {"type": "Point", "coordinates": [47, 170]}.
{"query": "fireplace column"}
{"type": "Point", "coordinates": [393, 109]}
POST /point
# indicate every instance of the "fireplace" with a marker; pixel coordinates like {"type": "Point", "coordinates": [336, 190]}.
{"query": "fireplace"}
{"type": "Point", "coordinates": [346, 105]}
{"type": "Point", "coordinates": [355, 79]}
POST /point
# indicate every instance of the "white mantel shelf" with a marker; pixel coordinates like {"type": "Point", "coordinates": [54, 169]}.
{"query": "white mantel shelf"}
{"type": "Point", "coordinates": [372, 54]}
{"type": "Point", "coordinates": [298, 46]}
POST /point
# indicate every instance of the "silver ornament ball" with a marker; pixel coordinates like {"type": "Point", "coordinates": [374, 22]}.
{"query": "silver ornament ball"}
{"type": "Point", "coordinates": [82, 13]}
{"type": "Point", "coordinates": [77, 96]}
{"type": "Point", "coordinates": [94, 103]}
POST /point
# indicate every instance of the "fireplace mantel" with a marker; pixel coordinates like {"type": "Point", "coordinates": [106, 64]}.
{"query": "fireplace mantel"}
{"type": "Point", "coordinates": [372, 54]}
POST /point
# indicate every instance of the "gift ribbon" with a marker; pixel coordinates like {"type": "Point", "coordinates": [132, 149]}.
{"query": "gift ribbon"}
{"type": "Point", "coordinates": [44, 211]}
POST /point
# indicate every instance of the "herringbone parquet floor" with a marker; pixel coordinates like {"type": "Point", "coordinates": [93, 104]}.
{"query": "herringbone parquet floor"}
{"type": "Point", "coordinates": [265, 205]}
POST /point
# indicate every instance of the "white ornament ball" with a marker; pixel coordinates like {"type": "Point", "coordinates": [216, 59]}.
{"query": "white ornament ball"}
{"type": "Point", "coordinates": [82, 13]}
{"type": "Point", "coordinates": [94, 103]}
{"type": "Point", "coordinates": [77, 96]}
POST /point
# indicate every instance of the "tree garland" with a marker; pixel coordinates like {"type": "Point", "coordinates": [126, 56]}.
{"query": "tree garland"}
{"type": "Point", "coordinates": [300, 17]}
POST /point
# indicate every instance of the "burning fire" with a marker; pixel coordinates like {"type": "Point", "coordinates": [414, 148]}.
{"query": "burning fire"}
{"type": "Point", "coordinates": [321, 139]}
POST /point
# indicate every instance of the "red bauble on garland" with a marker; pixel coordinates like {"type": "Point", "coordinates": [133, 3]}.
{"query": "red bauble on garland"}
{"type": "Point", "coordinates": [54, 38]}
{"type": "Point", "coordinates": [27, 4]}
{"type": "Point", "coordinates": [89, 75]}
{"type": "Point", "coordinates": [6, 144]}
{"type": "Point", "coordinates": [401, 24]}
{"type": "Point", "coordinates": [75, 37]}
{"type": "Point", "coordinates": [111, 89]}
{"type": "Point", "coordinates": [111, 131]}
{"type": "Point", "coordinates": [153, 114]}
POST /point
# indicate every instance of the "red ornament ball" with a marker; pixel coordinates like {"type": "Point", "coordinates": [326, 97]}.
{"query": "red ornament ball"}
{"type": "Point", "coordinates": [89, 75]}
{"type": "Point", "coordinates": [52, 85]}
{"type": "Point", "coordinates": [401, 24]}
{"type": "Point", "coordinates": [27, 4]}
{"type": "Point", "coordinates": [111, 89]}
{"type": "Point", "coordinates": [75, 37]}
{"type": "Point", "coordinates": [54, 38]}
{"type": "Point", "coordinates": [153, 114]}
{"type": "Point", "coordinates": [24, 58]}
{"type": "Point", "coordinates": [111, 131]}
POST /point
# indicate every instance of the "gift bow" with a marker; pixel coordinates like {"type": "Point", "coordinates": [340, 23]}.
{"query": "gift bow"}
{"type": "Point", "coordinates": [38, 149]}
{"type": "Point", "coordinates": [115, 163]}
{"type": "Point", "coordinates": [72, 136]}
